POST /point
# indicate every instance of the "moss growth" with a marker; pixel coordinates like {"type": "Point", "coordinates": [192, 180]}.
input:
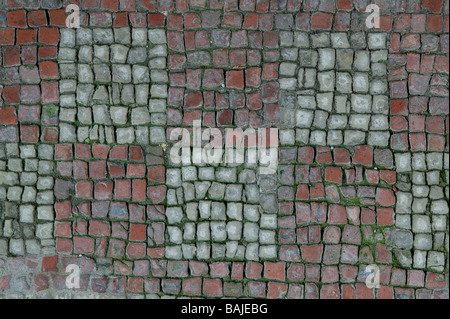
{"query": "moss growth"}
{"type": "Point", "coordinates": [50, 111]}
{"type": "Point", "coordinates": [239, 169]}
{"type": "Point", "coordinates": [356, 201]}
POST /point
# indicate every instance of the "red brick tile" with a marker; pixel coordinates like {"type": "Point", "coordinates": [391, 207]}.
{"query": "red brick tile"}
{"type": "Point", "coordinates": [122, 189]}
{"type": "Point", "coordinates": [272, 112]}
{"type": "Point", "coordinates": [156, 20]}
{"type": "Point", "coordinates": [442, 64]}
{"type": "Point", "coordinates": [321, 21]}
{"type": "Point", "coordinates": [7, 36]}
{"type": "Point", "coordinates": [82, 151]}
{"type": "Point", "coordinates": [50, 93]}
{"type": "Point", "coordinates": [363, 155]}
{"type": "Point", "coordinates": [83, 245]}
{"type": "Point", "coordinates": [29, 133]}
{"type": "Point", "coordinates": [435, 142]}
{"type": "Point", "coordinates": [212, 78]}
{"type": "Point", "coordinates": [418, 142]}
{"type": "Point", "coordinates": [192, 286]}
{"type": "Point", "coordinates": [48, 52]}
{"type": "Point", "coordinates": [413, 62]}
{"type": "Point", "coordinates": [434, 23]}
{"type": "Point", "coordinates": [385, 197]}
{"type": "Point", "coordinates": [402, 22]}
{"type": "Point", "coordinates": [312, 253]}
{"type": "Point", "coordinates": [119, 152]}
{"type": "Point", "coordinates": [191, 20]}
{"type": "Point", "coordinates": [100, 19]}
{"type": "Point", "coordinates": [48, 70]}
{"type": "Point", "coordinates": [418, 84]}
{"type": "Point", "coordinates": [49, 264]}
{"type": "Point", "coordinates": [139, 190]}
{"type": "Point", "coordinates": [48, 35]}
{"type": "Point", "coordinates": [270, 39]}
{"type": "Point", "coordinates": [237, 58]}
{"type": "Point", "coordinates": [398, 123]}
{"type": "Point", "coordinates": [337, 214]}
{"type": "Point", "coordinates": [388, 176]}
{"type": "Point", "coordinates": [110, 4]}
{"type": "Point", "coordinates": [434, 124]}
{"type": "Point", "coordinates": [253, 77]}
{"type": "Point", "coordinates": [99, 228]}
{"type": "Point", "coordinates": [253, 270]}
{"type": "Point", "coordinates": [58, 17]}
{"type": "Point", "coordinates": [363, 292]}
{"type": "Point", "coordinates": [28, 36]}
{"type": "Point", "coordinates": [435, 281]}
{"type": "Point", "coordinates": [275, 270]}
{"type": "Point", "coordinates": [418, 22]}
{"type": "Point", "coordinates": [333, 174]}
{"type": "Point", "coordinates": [198, 268]}
{"type": "Point", "coordinates": [28, 54]}
{"type": "Point", "coordinates": [63, 245]}
{"type": "Point", "coordinates": [212, 287]}
{"type": "Point", "coordinates": [138, 19]}
{"type": "Point", "coordinates": [344, 5]}
{"type": "Point", "coordinates": [84, 189]}
{"type": "Point", "coordinates": [276, 290]}
{"type": "Point", "coordinates": [8, 115]}
{"type": "Point", "coordinates": [434, 5]}
{"type": "Point", "coordinates": [323, 155]}
{"type": "Point", "coordinates": [232, 20]}
{"type": "Point", "coordinates": [103, 190]}
{"type": "Point", "coordinates": [17, 18]}
{"type": "Point", "coordinates": [136, 170]}
{"type": "Point", "coordinates": [11, 56]}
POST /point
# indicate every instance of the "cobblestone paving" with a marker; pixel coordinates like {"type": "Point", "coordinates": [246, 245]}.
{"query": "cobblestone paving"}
{"type": "Point", "coordinates": [87, 117]}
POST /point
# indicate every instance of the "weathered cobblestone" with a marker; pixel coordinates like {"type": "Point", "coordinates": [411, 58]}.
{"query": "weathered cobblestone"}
{"type": "Point", "coordinates": [87, 176]}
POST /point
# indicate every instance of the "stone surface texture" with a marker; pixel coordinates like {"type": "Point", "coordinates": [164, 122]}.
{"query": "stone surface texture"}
{"type": "Point", "coordinates": [86, 176]}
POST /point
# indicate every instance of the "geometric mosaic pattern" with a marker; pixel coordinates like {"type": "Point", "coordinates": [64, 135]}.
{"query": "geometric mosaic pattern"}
{"type": "Point", "coordinates": [86, 176]}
